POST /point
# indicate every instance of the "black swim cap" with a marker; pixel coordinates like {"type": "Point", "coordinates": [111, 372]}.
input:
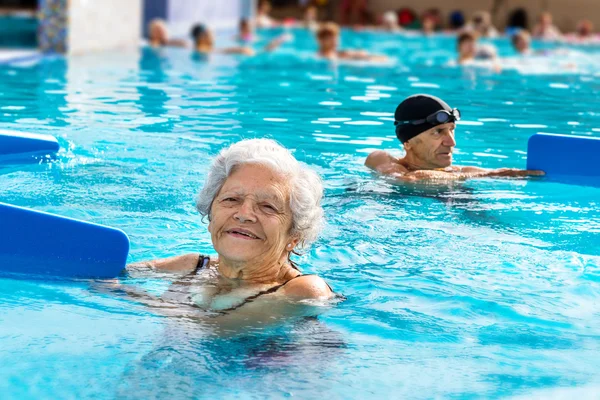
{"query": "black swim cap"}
{"type": "Point", "coordinates": [197, 31]}
{"type": "Point", "coordinates": [418, 106]}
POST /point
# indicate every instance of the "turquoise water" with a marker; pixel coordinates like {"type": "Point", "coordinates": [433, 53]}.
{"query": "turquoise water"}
{"type": "Point", "coordinates": [489, 288]}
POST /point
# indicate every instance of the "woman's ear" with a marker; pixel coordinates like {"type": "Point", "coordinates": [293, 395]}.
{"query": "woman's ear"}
{"type": "Point", "coordinates": [292, 243]}
{"type": "Point", "coordinates": [209, 224]}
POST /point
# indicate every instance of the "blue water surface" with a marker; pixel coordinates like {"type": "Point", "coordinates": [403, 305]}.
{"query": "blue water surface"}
{"type": "Point", "coordinates": [481, 289]}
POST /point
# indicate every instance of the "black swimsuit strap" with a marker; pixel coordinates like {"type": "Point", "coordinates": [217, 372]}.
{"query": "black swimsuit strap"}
{"type": "Point", "coordinates": [202, 263]}
{"type": "Point", "coordinates": [261, 293]}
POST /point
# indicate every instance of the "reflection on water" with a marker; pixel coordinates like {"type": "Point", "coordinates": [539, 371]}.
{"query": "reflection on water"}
{"type": "Point", "coordinates": [481, 288]}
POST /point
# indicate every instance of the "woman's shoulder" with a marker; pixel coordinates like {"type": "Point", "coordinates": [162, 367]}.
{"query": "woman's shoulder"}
{"type": "Point", "coordinates": [307, 287]}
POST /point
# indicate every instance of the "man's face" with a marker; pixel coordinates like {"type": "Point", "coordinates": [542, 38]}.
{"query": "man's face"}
{"type": "Point", "coordinates": [433, 148]}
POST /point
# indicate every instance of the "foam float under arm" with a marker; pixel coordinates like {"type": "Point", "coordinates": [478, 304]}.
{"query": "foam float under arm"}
{"type": "Point", "coordinates": [39, 243]}
{"type": "Point", "coordinates": [21, 145]}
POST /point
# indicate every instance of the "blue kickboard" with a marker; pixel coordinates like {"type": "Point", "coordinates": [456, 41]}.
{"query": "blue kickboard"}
{"type": "Point", "coordinates": [572, 159]}
{"type": "Point", "coordinates": [39, 243]}
{"type": "Point", "coordinates": [20, 143]}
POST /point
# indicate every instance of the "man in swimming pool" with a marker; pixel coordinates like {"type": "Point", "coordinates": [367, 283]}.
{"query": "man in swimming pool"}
{"type": "Point", "coordinates": [328, 37]}
{"type": "Point", "coordinates": [425, 125]}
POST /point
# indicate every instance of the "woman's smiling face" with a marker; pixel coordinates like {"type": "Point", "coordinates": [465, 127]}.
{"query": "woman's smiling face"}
{"type": "Point", "coordinates": [251, 218]}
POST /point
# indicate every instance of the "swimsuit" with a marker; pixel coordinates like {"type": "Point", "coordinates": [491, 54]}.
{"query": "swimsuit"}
{"type": "Point", "coordinates": [203, 262]}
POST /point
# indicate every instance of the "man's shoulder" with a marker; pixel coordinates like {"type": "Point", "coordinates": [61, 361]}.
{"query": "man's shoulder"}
{"type": "Point", "coordinates": [379, 157]}
{"type": "Point", "coordinates": [384, 162]}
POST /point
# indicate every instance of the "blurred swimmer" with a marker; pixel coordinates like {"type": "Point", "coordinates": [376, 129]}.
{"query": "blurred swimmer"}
{"type": "Point", "coordinates": [311, 17]}
{"type": "Point", "coordinates": [545, 29]}
{"type": "Point", "coordinates": [470, 53]}
{"type": "Point", "coordinates": [482, 24]}
{"type": "Point", "coordinates": [263, 19]}
{"type": "Point", "coordinates": [389, 22]}
{"type": "Point", "coordinates": [204, 43]}
{"type": "Point", "coordinates": [246, 31]}
{"type": "Point", "coordinates": [428, 24]}
{"type": "Point", "coordinates": [467, 47]}
{"type": "Point", "coordinates": [521, 42]}
{"type": "Point", "coordinates": [328, 37]}
{"type": "Point", "coordinates": [584, 33]}
{"type": "Point", "coordinates": [158, 35]}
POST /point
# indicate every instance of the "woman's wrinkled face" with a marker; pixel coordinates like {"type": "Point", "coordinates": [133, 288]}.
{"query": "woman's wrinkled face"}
{"type": "Point", "coordinates": [251, 219]}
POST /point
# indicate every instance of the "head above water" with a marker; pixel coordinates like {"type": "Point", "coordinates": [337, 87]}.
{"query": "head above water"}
{"type": "Point", "coordinates": [201, 36]}
{"type": "Point", "coordinates": [264, 7]}
{"type": "Point", "coordinates": [246, 28]}
{"type": "Point", "coordinates": [521, 41]}
{"type": "Point", "coordinates": [425, 125]}
{"type": "Point", "coordinates": [258, 186]}
{"type": "Point", "coordinates": [467, 44]}
{"type": "Point", "coordinates": [585, 28]}
{"type": "Point", "coordinates": [328, 36]}
{"type": "Point", "coordinates": [546, 19]}
{"type": "Point", "coordinates": [157, 31]}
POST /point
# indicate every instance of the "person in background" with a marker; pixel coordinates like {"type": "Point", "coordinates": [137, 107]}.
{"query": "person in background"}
{"type": "Point", "coordinates": [246, 31]}
{"type": "Point", "coordinates": [545, 29]}
{"type": "Point", "coordinates": [456, 21]}
{"type": "Point", "coordinates": [263, 19]}
{"type": "Point", "coordinates": [517, 20]}
{"type": "Point", "coordinates": [435, 15]}
{"type": "Point", "coordinates": [425, 125]}
{"type": "Point", "coordinates": [311, 17]}
{"type": "Point", "coordinates": [328, 37]}
{"type": "Point", "coordinates": [428, 24]}
{"type": "Point", "coordinates": [467, 47]}
{"type": "Point", "coordinates": [521, 42]}
{"type": "Point", "coordinates": [389, 22]}
{"type": "Point", "coordinates": [584, 33]}
{"type": "Point", "coordinates": [354, 12]}
{"type": "Point", "coordinates": [471, 53]}
{"type": "Point", "coordinates": [482, 24]}
{"type": "Point", "coordinates": [204, 43]}
{"type": "Point", "coordinates": [158, 35]}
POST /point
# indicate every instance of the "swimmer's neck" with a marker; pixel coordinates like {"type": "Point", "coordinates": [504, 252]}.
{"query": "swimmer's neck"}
{"type": "Point", "coordinates": [331, 54]}
{"type": "Point", "coordinates": [413, 163]}
{"type": "Point", "coordinates": [465, 58]}
{"type": "Point", "coordinates": [261, 271]}
{"type": "Point", "coordinates": [158, 43]}
{"type": "Point", "coordinates": [201, 48]}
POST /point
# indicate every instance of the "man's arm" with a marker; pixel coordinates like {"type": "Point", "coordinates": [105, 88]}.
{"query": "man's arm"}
{"type": "Point", "coordinates": [386, 164]}
{"type": "Point", "coordinates": [500, 172]}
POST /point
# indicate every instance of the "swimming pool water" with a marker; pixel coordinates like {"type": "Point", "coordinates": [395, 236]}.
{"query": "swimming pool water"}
{"type": "Point", "coordinates": [487, 288]}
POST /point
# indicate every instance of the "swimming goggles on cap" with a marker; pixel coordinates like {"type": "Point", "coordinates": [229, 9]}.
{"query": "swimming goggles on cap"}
{"type": "Point", "coordinates": [437, 118]}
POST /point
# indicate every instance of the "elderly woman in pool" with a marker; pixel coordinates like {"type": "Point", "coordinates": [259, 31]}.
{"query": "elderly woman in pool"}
{"type": "Point", "coordinates": [262, 205]}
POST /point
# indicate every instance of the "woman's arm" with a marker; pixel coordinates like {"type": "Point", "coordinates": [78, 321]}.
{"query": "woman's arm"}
{"type": "Point", "coordinates": [184, 263]}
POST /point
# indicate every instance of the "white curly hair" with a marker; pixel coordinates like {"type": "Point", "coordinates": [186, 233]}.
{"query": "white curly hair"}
{"type": "Point", "coordinates": [306, 189]}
